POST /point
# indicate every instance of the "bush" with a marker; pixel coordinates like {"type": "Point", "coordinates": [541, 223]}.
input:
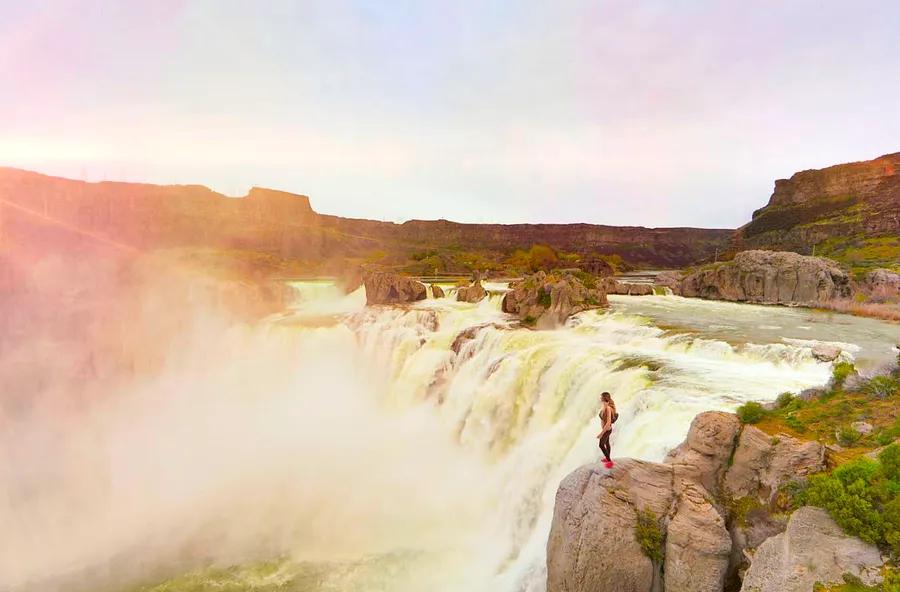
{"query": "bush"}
{"type": "Point", "coordinates": [882, 387]}
{"type": "Point", "coordinates": [863, 497]}
{"type": "Point", "coordinates": [544, 298]}
{"type": "Point", "coordinates": [649, 535]}
{"type": "Point", "coordinates": [847, 436]}
{"type": "Point", "coordinates": [784, 399]}
{"type": "Point", "coordinates": [890, 462]}
{"type": "Point", "coordinates": [751, 412]}
{"type": "Point", "coordinates": [840, 373]}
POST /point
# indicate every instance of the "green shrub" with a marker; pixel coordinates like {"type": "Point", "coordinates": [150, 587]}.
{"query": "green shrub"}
{"type": "Point", "coordinates": [840, 372]}
{"type": "Point", "coordinates": [784, 399]}
{"type": "Point", "coordinates": [847, 436]}
{"type": "Point", "coordinates": [882, 387]}
{"type": "Point", "coordinates": [863, 497]}
{"type": "Point", "coordinates": [751, 412]}
{"type": "Point", "coordinates": [649, 535]}
{"type": "Point", "coordinates": [544, 298]}
{"type": "Point", "coordinates": [890, 462]}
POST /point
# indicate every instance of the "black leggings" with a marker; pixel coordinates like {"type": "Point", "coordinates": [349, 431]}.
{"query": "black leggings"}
{"type": "Point", "coordinates": [604, 445]}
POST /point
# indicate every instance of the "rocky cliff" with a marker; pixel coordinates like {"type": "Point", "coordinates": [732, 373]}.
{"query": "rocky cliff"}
{"type": "Point", "coordinates": [57, 214]}
{"type": "Point", "coordinates": [850, 212]}
{"type": "Point", "coordinates": [672, 526]}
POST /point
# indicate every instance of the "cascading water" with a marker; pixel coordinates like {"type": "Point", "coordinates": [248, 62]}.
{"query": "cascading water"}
{"type": "Point", "coordinates": [404, 448]}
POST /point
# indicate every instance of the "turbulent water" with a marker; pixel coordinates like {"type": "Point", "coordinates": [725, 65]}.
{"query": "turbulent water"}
{"type": "Point", "coordinates": [354, 449]}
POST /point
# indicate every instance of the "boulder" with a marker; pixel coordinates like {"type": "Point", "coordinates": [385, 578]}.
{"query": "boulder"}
{"type": "Point", "coordinates": [472, 293]}
{"type": "Point", "coordinates": [770, 277]}
{"type": "Point", "coordinates": [437, 291]}
{"type": "Point", "coordinates": [812, 549]}
{"type": "Point", "coordinates": [548, 300]}
{"type": "Point", "coordinates": [763, 463]}
{"type": "Point", "coordinates": [698, 546]}
{"type": "Point", "coordinates": [390, 288]}
{"type": "Point", "coordinates": [592, 543]}
{"type": "Point", "coordinates": [704, 454]}
{"type": "Point", "coordinates": [825, 352]}
{"type": "Point", "coordinates": [862, 427]}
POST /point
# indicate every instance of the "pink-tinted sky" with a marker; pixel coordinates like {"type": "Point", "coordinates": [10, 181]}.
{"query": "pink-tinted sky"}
{"type": "Point", "coordinates": [657, 113]}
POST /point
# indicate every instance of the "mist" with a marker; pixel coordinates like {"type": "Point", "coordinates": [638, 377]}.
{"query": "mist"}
{"type": "Point", "coordinates": [164, 433]}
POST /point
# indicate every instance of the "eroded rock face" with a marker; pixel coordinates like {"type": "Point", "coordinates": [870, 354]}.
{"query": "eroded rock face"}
{"type": "Point", "coordinates": [858, 200]}
{"type": "Point", "coordinates": [704, 454]}
{"type": "Point", "coordinates": [437, 291]}
{"type": "Point", "coordinates": [762, 463]}
{"type": "Point", "coordinates": [547, 300]}
{"type": "Point", "coordinates": [592, 544]}
{"type": "Point", "coordinates": [671, 280]}
{"type": "Point", "coordinates": [473, 293]}
{"type": "Point", "coordinates": [812, 549]}
{"type": "Point", "coordinates": [698, 545]}
{"type": "Point", "coordinates": [390, 288]}
{"type": "Point", "coordinates": [770, 277]}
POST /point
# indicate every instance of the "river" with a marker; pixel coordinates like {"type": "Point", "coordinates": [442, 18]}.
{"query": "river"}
{"type": "Point", "coordinates": [337, 447]}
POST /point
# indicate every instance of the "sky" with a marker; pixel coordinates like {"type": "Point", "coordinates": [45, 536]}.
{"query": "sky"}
{"type": "Point", "coordinates": [654, 113]}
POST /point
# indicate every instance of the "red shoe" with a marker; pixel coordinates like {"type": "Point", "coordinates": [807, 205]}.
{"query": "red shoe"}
{"type": "Point", "coordinates": [608, 464]}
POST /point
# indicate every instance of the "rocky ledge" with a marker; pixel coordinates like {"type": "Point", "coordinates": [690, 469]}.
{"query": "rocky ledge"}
{"type": "Point", "coordinates": [672, 526]}
{"type": "Point", "coordinates": [547, 300]}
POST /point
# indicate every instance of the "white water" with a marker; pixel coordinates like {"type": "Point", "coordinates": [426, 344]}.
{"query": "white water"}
{"type": "Point", "coordinates": [356, 442]}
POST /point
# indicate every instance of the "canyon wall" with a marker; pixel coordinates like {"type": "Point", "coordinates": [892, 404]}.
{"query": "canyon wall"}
{"type": "Point", "coordinates": [53, 213]}
{"type": "Point", "coordinates": [849, 212]}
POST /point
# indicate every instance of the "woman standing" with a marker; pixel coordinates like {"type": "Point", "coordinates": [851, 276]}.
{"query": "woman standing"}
{"type": "Point", "coordinates": [608, 416]}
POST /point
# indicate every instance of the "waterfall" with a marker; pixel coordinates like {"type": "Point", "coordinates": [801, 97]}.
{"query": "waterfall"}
{"type": "Point", "coordinates": [393, 448]}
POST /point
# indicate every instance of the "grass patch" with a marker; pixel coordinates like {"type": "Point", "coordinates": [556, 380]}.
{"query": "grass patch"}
{"type": "Point", "coordinates": [827, 418]}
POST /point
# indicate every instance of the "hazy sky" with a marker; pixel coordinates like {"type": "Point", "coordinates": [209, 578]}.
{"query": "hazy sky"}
{"type": "Point", "coordinates": [660, 113]}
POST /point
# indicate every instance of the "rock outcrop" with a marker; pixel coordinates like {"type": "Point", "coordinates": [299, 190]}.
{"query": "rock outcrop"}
{"type": "Point", "coordinates": [472, 293]}
{"type": "Point", "coordinates": [546, 301]}
{"type": "Point", "coordinates": [698, 546]}
{"type": "Point", "coordinates": [857, 201]}
{"type": "Point", "coordinates": [593, 545]}
{"type": "Point", "coordinates": [763, 463]}
{"type": "Point", "coordinates": [704, 455]}
{"type": "Point", "coordinates": [437, 291]}
{"type": "Point", "coordinates": [812, 549]}
{"type": "Point", "coordinates": [770, 277]}
{"type": "Point", "coordinates": [390, 288]}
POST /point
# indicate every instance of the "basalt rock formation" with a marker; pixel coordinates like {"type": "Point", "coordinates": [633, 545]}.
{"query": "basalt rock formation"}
{"type": "Point", "coordinates": [474, 292]}
{"type": "Point", "coordinates": [546, 301]}
{"type": "Point", "coordinates": [59, 214]}
{"type": "Point", "coordinates": [594, 543]}
{"type": "Point", "coordinates": [839, 210]}
{"type": "Point", "coordinates": [770, 277]}
{"type": "Point", "coordinates": [390, 288]}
